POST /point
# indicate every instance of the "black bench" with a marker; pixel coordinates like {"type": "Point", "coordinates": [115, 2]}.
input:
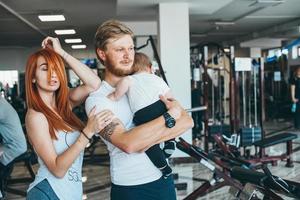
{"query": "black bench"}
{"type": "Point", "coordinates": [277, 139]}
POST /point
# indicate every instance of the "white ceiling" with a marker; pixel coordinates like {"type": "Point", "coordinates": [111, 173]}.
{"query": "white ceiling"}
{"type": "Point", "coordinates": [251, 21]}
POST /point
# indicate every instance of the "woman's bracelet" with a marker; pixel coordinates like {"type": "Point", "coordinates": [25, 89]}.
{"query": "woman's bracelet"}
{"type": "Point", "coordinates": [85, 135]}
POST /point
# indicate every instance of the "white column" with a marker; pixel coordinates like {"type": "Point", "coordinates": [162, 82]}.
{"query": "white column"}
{"type": "Point", "coordinates": [174, 48]}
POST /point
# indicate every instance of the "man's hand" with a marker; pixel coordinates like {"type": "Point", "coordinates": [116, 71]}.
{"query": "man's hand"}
{"type": "Point", "coordinates": [174, 108]}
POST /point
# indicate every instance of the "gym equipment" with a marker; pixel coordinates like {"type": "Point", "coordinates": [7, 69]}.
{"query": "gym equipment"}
{"type": "Point", "coordinates": [238, 178]}
{"type": "Point", "coordinates": [261, 158]}
{"type": "Point", "coordinates": [273, 140]}
{"type": "Point", "coordinates": [268, 184]}
{"type": "Point", "coordinates": [6, 182]}
{"type": "Point", "coordinates": [249, 133]}
{"type": "Point", "coordinates": [156, 56]}
{"type": "Point", "coordinates": [214, 93]}
{"type": "Point", "coordinates": [196, 109]}
{"type": "Point", "coordinates": [219, 178]}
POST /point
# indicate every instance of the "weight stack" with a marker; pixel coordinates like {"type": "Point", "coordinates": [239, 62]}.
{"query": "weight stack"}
{"type": "Point", "coordinates": [223, 129]}
{"type": "Point", "coordinates": [250, 135]}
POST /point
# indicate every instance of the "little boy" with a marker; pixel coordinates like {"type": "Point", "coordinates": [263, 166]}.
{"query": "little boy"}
{"type": "Point", "coordinates": [143, 89]}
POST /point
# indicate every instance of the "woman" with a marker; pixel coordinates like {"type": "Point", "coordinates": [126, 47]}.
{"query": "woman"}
{"type": "Point", "coordinates": [295, 94]}
{"type": "Point", "coordinates": [55, 133]}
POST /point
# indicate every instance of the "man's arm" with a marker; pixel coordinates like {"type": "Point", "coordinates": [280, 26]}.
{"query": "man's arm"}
{"type": "Point", "coordinates": [148, 134]}
{"type": "Point", "coordinates": [184, 123]}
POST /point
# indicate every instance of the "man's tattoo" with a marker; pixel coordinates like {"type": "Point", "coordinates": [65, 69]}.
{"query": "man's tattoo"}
{"type": "Point", "coordinates": [108, 130]}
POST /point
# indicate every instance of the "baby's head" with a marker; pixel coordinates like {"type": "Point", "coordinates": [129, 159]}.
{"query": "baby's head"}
{"type": "Point", "coordinates": [141, 63]}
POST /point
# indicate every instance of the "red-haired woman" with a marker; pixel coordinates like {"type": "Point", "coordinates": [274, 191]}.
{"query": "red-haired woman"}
{"type": "Point", "coordinates": [57, 135]}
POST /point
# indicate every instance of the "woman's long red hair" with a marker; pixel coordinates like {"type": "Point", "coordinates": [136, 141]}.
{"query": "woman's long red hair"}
{"type": "Point", "coordinates": [63, 118]}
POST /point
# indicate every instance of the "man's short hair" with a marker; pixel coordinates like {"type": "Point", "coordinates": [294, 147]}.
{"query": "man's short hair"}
{"type": "Point", "coordinates": [141, 62]}
{"type": "Point", "coordinates": [107, 30]}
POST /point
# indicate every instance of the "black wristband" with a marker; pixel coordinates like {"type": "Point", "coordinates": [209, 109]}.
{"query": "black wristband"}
{"type": "Point", "coordinates": [85, 135]}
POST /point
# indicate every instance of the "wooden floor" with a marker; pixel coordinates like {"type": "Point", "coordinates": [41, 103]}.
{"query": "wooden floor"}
{"type": "Point", "coordinates": [96, 176]}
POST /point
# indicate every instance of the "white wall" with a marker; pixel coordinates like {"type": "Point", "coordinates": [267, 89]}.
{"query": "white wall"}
{"type": "Point", "coordinates": [14, 58]}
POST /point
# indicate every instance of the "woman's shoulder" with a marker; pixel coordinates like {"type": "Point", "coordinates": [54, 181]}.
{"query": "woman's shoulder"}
{"type": "Point", "coordinates": [33, 115]}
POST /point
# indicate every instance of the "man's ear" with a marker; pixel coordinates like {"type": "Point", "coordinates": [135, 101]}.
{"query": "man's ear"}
{"type": "Point", "coordinates": [101, 54]}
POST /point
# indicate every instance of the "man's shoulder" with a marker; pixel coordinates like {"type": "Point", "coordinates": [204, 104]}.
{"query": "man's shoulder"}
{"type": "Point", "coordinates": [97, 98]}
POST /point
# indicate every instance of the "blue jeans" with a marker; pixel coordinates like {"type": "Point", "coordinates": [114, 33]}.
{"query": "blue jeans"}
{"type": "Point", "coordinates": [42, 191]}
{"type": "Point", "coordinates": [161, 189]}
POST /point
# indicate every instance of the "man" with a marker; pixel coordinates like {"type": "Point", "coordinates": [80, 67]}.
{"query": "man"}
{"type": "Point", "coordinates": [12, 139]}
{"type": "Point", "coordinates": [133, 175]}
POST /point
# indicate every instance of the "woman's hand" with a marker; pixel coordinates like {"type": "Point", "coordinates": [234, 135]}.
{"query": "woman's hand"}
{"type": "Point", "coordinates": [96, 122]}
{"type": "Point", "coordinates": [174, 108]}
{"type": "Point", "coordinates": [54, 44]}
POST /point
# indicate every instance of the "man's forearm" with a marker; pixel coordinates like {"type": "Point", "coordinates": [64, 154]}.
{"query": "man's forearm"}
{"type": "Point", "coordinates": [144, 135]}
{"type": "Point", "coordinates": [183, 124]}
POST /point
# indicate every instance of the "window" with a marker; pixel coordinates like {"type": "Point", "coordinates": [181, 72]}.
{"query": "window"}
{"type": "Point", "coordinates": [9, 77]}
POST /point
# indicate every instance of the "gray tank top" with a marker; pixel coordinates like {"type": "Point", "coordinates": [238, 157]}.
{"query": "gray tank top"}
{"type": "Point", "coordinates": [70, 186]}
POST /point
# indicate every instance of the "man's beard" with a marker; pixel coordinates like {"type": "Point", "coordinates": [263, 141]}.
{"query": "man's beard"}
{"type": "Point", "coordinates": [117, 72]}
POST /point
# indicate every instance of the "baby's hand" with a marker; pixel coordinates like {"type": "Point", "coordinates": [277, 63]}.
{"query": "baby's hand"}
{"type": "Point", "coordinates": [112, 96]}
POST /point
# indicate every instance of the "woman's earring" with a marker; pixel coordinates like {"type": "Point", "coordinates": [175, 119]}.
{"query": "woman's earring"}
{"type": "Point", "coordinates": [33, 80]}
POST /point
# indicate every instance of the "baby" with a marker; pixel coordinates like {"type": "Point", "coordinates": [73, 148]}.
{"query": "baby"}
{"type": "Point", "coordinates": [143, 89]}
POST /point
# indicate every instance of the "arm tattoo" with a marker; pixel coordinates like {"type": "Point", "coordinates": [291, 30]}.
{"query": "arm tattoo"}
{"type": "Point", "coordinates": [108, 130]}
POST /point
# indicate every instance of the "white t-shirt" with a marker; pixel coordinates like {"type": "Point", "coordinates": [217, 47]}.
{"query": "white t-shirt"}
{"type": "Point", "coordinates": [145, 90]}
{"type": "Point", "coordinates": [125, 169]}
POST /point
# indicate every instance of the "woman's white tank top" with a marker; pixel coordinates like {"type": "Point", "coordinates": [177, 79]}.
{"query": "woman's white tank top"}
{"type": "Point", "coordinates": [70, 186]}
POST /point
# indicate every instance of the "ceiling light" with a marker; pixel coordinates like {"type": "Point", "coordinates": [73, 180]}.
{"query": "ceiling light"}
{"type": "Point", "coordinates": [75, 40]}
{"type": "Point", "coordinates": [270, 1]}
{"type": "Point", "coordinates": [267, 2]}
{"type": "Point", "coordinates": [198, 35]}
{"type": "Point", "coordinates": [65, 32]}
{"type": "Point", "coordinates": [224, 23]}
{"type": "Point", "coordinates": [226, 50]}
{"type": "Point", "coordinates": [51, 18]}
{"type": "Point", "coordinates": [81, 46]}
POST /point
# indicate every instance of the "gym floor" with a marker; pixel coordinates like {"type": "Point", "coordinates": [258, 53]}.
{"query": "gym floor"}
{"type": "Point", "coordinates": [97, 179]}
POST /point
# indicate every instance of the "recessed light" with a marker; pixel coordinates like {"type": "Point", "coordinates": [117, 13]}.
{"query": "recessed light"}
{"type": "Point", "coordinates": [198, 35]}
{"type": "Point", "coordinates": [226, 50]}
{"type": "Point", "coordinates": [225, 23]}
{"type": "Point", "coordinates": [75, 40]}
{"type": "Point", "coordinates": [65, 32]}
{"type": "Point", "coordinates": [51, 18]}
{"type": "Point", "coordinates": [81, 46]}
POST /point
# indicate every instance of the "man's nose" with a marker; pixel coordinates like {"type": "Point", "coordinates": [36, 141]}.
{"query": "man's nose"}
{"type": "Point", "coordinates": [126, 53]}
